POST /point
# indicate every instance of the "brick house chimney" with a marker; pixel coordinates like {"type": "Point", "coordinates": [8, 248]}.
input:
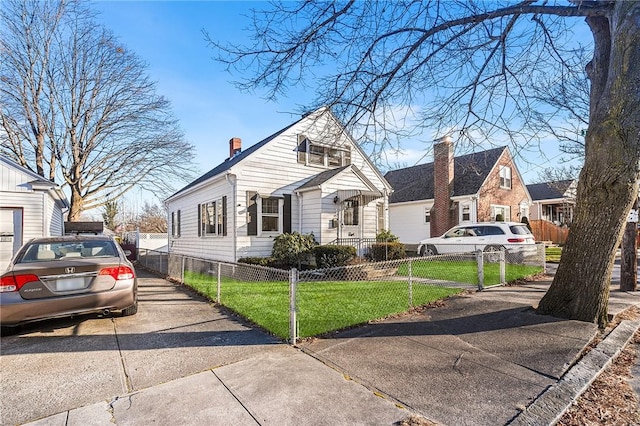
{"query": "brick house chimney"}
{"type": "Point", "coordinates": [442, 186]}
{"type": "Point", "coordinates": [235, 146]}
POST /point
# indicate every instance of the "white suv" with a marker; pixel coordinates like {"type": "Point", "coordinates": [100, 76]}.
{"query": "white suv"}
{"type": "Point", "coordinates": [485, 236]}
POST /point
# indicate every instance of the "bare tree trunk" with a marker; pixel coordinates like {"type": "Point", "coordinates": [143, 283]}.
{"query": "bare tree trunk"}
{"type": "Point", "coordinates": [608, 183]}
{"type": "Point", "coordinates": [629, 258]}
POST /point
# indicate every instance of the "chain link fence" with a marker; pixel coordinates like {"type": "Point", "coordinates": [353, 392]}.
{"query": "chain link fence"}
{"type": "Point", "coordinates": [294, 304]}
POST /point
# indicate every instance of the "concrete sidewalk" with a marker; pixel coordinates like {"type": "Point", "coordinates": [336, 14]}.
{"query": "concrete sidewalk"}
{"type": "Point", "coordinates": [479, 360]}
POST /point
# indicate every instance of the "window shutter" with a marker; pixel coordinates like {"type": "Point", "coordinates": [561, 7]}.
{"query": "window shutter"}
{"type": "Point", "coordinates": [252, 213]}
{"type": "Point", "coordinates": [286, 214]}
{"type": "Point", "coordinates": [224, 215]}
{"type": "Point", "coordinates": [199, 220]}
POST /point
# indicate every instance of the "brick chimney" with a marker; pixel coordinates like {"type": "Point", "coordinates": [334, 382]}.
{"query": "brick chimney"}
{"type": "Point", "coordinates": [442, 185]}
{"type": "Point", "coordinates": [235, 146]}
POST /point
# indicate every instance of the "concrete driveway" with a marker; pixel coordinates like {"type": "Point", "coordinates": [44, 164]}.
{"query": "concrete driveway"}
{"type": "Point", "coordinates": [54, 366]}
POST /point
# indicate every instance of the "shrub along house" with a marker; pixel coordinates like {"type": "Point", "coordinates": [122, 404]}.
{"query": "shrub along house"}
{"type": "Point", "coordinates": [428, 199]}
{"type": "Point", "coordinates": [310, 177]}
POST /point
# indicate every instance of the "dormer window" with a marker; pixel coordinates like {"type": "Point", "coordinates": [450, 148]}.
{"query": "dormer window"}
{"type": "Point", "coordinates": [312, 154]}
{"type": "Point", "coordinates": [505, 177]}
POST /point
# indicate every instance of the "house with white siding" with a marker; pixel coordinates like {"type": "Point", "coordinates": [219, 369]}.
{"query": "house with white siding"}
{"type": "Point", "coordinates": [30, 206]}
{"type": "Point", "coordinates": [430, 198]}
{"type": "Point", "coordinates": [310, 177]}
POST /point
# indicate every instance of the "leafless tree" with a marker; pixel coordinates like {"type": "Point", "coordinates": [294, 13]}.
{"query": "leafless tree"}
{"type": "Point", "coordinates": [471, 67]}
{"type": "Point", "coordinates": [153, 218]}
{"type": "Point", "coordinates": [76, 105]}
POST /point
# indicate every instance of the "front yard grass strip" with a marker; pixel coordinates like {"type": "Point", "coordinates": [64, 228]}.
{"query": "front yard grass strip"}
{"type": "Point", "coordinates": [466, 271]}
{"type": "Point", "coordinates": [322, 306]}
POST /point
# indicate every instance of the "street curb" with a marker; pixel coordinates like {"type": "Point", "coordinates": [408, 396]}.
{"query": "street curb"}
{"type": "Point", "coordinates": [549, 407]}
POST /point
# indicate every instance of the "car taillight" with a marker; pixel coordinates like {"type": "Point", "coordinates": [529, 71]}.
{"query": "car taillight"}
{"type": "Point", "coordinates": [118, 272]}
{"type": "Point", "coordinates": [516, 240]}
{"type": "Point", "coordinates": [15, 282]}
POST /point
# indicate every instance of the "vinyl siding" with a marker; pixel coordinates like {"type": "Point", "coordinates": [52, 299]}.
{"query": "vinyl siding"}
{"type": "Point", "coordinates": [273, 170]}
{"type": "Point", "coordinates": [406, 221]}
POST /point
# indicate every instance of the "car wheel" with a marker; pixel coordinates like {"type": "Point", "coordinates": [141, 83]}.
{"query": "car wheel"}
{"type": "Point", "coordinates": [429, 250]}
{"type": "Point", "coordinates": [493, 253]}
{"type": "Point", "coordinates": [131, 310]}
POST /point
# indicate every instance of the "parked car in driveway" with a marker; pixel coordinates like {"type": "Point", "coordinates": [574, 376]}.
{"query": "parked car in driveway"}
{"type": "Point", "coordinates": [511, 237]}
{"type": "Point", "coordinates": [64, 276]}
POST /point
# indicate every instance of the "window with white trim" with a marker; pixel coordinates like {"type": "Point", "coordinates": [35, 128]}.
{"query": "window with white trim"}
{"type": "Point", "coordinates": [427, 215]}
{"type": "Point", "coordinates": [212, 218]}
{"type": "Point", "coordinates": [505, 211]}
{"type": "Point", "coordinates": [310, 153]}
{"type": "Point", "coordinates": [505, 177]}
{"type": "Point", "coordinates": [466, 213]}
{"type": "Point", "coordinates": [270, 214]}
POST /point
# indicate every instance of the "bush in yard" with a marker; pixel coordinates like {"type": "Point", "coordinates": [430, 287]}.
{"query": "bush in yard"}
{"type": "Point", "coordinates": [385, 236]}
{"type": "Point", "coordinates": [290, 250]}
{"type": "Point", "coordinates": [386, 251]}
{"type": "Point", "coordinates": [525, 220]}
{"type": "Point", "coordinates": [330, 256]}
{"type": "Point", "coordinates": [261, 261]}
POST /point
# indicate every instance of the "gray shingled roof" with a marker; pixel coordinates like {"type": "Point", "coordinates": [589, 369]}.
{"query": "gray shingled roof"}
{"type": "Point", "coordinates": [230, 162]}
{"type": "Point", "coordinates": [416, 183]}
{"type": "Point", "coordinates": [321, 178]}
{"type": "Point", "coordinates": [549, 190]}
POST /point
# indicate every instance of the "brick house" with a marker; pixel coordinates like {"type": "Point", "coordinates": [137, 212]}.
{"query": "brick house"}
{"type": "Point", "coordinates": [428, 199]}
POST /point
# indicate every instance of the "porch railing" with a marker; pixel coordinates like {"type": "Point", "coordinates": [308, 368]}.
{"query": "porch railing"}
{"type": "Point", "coordinates": [362, 245]}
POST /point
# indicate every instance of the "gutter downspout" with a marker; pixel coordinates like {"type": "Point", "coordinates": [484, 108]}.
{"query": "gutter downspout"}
{"type": "Point", "coordinates": [299, 198]}
{"type": "Point", "coordinates": [232, 181]}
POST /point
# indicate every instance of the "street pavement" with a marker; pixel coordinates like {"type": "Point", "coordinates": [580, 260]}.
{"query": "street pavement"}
{"type": "Point", "coordinates": [480, 359]}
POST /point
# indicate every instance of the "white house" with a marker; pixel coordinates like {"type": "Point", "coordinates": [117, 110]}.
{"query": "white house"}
{"type": "Point", "coordinates": [430, 198]}
{"type": "Point", "coordinates": [30, 206]}
{"type": "Point", "coordinates": [310, 177]}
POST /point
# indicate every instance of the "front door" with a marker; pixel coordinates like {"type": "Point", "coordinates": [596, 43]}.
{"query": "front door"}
{"type": "Point", "coordinates": [350, 218]}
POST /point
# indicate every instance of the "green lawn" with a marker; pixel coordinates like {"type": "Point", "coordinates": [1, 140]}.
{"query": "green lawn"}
{"type": "Point", "coordinates": [553, 254]}
{"type": "Point", "coordinates": [321, 306]}
{"type": "Point", "coordinates": [466, 271]}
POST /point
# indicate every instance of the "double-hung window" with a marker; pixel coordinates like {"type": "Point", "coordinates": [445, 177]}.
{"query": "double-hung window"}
{"type": "Point", "coordinates": [270, 214]}
{"type": "Point", "coordinates": [175, 223]}
{"type": "Point", "coordinates": [212, 218]}
{"type": "Point", "coordinates": [505, 177]}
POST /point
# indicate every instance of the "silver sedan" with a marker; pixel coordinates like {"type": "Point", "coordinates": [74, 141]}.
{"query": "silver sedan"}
{"type": "Point", "coordinates": [65, 276]}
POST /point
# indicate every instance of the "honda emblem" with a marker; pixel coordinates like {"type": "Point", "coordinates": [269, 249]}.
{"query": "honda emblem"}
{"type": "Point", "coordinates": [70, 270]}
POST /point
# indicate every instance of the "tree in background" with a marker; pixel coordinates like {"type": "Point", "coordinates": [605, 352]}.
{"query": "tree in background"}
{"type": "Point", "coordinates": [394, 69]}
{"type": "Point", "coordinates": [77, 105]}
{"type": "Point", "coordinates": [109, 213]}
{"type": "Point", "coordinates": [152, 219]}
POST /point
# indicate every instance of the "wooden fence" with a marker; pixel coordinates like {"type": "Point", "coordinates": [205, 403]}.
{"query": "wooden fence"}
{"type": "Point", "coordinates": [543, 230]}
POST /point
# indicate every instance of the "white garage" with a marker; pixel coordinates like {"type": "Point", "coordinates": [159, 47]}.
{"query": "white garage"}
{"type": "Point", "coordinates": [30, 206]}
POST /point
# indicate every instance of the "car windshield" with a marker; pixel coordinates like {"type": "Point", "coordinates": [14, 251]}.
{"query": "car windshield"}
{"type": "Point", "coordinates": [48, 251]}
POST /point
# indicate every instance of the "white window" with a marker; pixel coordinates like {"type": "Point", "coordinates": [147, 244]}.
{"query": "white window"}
{"type": "Point", "coordinates": [505, 177]}
{"type": "Point", "coordinates": [212, 218]}
{"type": "Point", "coordinates": [319, 155]}
{"type": "Point", "coordinates": [466, 213]}
{"type": "Point", "coordinates": [270, 217]}
{"type": "Point", "coordinates": [427, 215]}
{"type": "Point", "coordinates": [498, 212]}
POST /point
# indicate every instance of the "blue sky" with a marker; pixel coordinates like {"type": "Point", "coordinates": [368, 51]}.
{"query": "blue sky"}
{"type": "Point", "coordinates": [167, 35]}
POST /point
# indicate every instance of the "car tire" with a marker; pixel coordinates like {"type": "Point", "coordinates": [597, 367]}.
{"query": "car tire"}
{"type": "Point", "coordinates": [131, 310]}
{"type": "Point", "coordinates": [429, 250]}
{"type": "Point", "coordinates": [493, 252]}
